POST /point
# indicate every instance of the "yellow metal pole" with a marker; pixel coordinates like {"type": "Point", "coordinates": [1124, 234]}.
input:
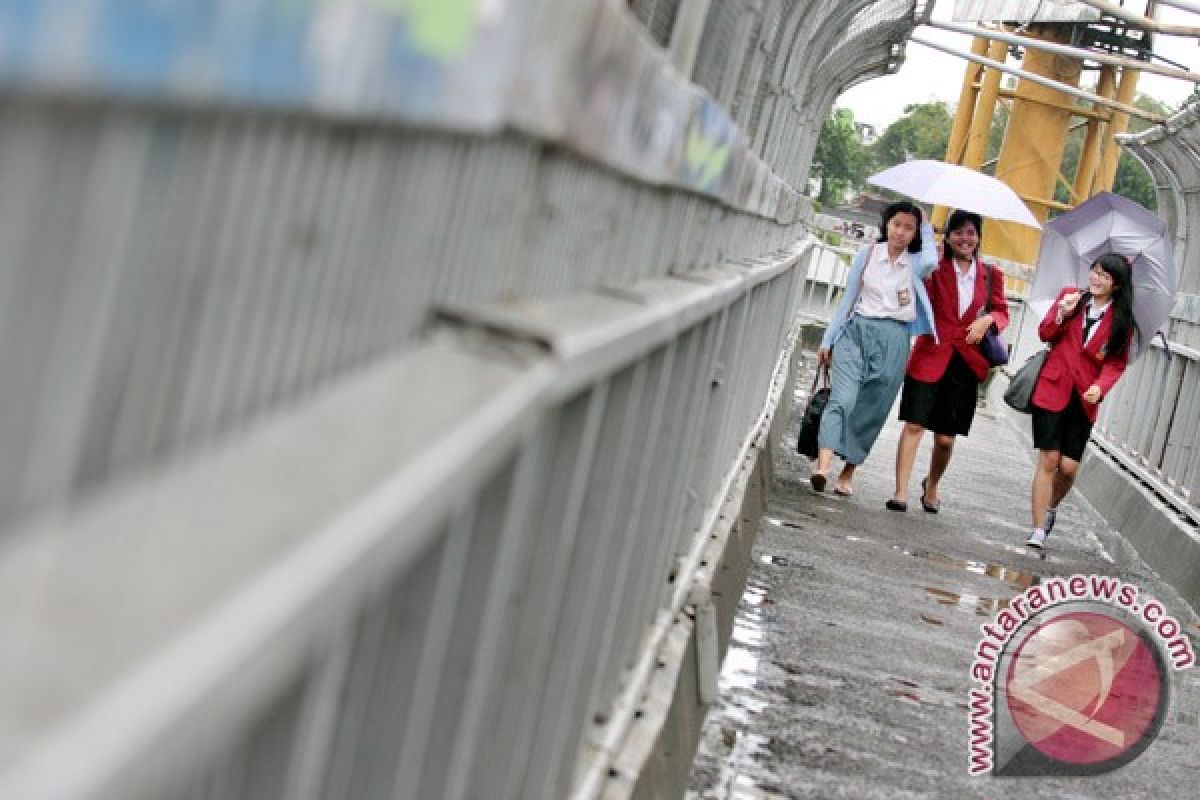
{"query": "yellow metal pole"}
{"type": "Point", "coordinates": [1108, 161]}
{"type": "Point", "coordinates": [966, 104]}
{"type": "Point", "coordinates": [1031, 159]}
{"type": "Point", "coordinates": [985, 109]}
{"type": "Point", "coordinates": [1089, 156]}
{"type": "Point", "coordinates": [963, 114]}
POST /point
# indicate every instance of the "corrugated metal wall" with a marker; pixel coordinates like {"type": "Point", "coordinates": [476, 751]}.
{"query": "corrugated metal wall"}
{"type": "Point", "coordinates": [377, 376]}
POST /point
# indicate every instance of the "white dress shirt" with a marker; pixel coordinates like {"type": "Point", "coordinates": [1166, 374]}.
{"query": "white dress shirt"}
{"type": "Point", "coordinates": [966, 286]}
{"type": "Point", "coordinates": [887, 289]}
{"type": "Point", "coordinates": [1093, 314]}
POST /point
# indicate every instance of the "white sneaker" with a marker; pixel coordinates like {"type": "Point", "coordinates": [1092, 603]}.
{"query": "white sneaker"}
{"type": "Point", "coordinates": [1036, 540]}
{"type": "Point", "coordinates": [1048, 520]}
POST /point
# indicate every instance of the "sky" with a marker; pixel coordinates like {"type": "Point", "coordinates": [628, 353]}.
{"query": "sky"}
{"type": "Point", "coordinates": [930, 75]}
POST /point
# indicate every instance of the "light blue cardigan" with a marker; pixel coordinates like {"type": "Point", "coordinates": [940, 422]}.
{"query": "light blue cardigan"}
{"type": "Point", "coordinates": [923, 264]}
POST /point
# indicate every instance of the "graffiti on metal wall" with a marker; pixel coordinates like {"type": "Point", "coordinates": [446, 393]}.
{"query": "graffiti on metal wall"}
{"type": "Point", "coordinates": [599, 83]}
{"type": "Point", "coordinates": [422, 59]}
{"type": "Point", "coordinates": [710, 149]}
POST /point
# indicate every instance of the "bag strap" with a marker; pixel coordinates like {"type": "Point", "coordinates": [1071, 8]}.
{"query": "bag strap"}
{"type": "Point", "coordinates": [987, 283]}
{"type": "Point", "coordinates": [822, 372]}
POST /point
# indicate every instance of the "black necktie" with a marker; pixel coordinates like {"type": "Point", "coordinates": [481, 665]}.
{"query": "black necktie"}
{"type": "Point", "coordinates": [1088, 322]}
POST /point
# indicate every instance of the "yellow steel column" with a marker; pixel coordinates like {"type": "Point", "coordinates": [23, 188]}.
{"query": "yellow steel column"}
{"type": "Point", "coordinates": [985, 109]}
{"type": "Point", "coordinates": [1031, 158]}
{"type": "Point", "coordinates": [963, 114]}
{"type": "Point", "coordinates": [1089, 156]}
{"type": "Point", "coordinates": [966, 104]}
{"type": "Point", "coordinates": [1108, 161]}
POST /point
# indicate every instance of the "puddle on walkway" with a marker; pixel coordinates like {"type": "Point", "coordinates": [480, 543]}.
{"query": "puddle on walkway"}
{"type": "Point", "coordinates": [965, 601]}
{"type": "Point", "coordinates": [784, 561]}
{"type": "Point", "coordinates": [1017, 579]}
{"type": "Point", "coordinates": [733, 760]}
{"type": "Point", "coordinates": [756, 595]}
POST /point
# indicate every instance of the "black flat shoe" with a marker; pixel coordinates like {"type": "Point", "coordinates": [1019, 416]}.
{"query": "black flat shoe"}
{"type": "Point", "coordinates": [895, 505]}
{"type": "Point", "coordinates": [817, 480]}
{"type": "Point", "coordinates": [931, 508]}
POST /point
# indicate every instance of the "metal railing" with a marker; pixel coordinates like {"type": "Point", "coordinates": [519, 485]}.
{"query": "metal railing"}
{"type": "Point", "coordinates": [1171, 153]}
{"type": "Point", "coordinates": [1150, 423]}
{"type": "Point", "coordinates": [382, 387]}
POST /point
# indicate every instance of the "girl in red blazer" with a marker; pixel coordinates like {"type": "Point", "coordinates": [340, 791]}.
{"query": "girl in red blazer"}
{"type": "Point", "coordinates": [1089, 335]}
{"type": "Point", "coordinates": [944, 371]}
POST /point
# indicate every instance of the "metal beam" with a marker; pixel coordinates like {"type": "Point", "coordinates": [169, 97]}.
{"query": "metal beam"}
{"type": "Point", "coordinates": [1142, 21]}
{"type": "Point", "coordinates": [1071, 90]}
{"type": "Point", "coordinates": [1103, 116]}
{"type": "Point", "coordinates": [1067, 50]}
{"type": "Point", "coordinates": [1193, 7]}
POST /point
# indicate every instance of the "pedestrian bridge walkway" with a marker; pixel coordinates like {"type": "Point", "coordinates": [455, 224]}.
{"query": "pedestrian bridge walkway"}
{"type": "Point", "coordinates": [393, 393]}
{"type": "Point", "coordinates": [849, 666]}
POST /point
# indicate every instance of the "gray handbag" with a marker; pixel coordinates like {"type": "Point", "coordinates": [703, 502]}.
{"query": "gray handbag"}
{"type": "Point", "coordinates": [1019, 393]}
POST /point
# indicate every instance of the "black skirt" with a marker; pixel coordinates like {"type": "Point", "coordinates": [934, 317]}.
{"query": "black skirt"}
{"type": "Point", "coordinates": [1066, 431]}
{"type": "Point", "coordinates": [946, 406]}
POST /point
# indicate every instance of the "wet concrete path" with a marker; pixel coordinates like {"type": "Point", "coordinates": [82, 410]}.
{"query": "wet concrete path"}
{"type": "Point", "coordinates": [848, 673]}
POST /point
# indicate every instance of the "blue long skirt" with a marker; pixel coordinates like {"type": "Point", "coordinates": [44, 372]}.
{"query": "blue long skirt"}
{"type": "Point", "coordinates": [867, 372]}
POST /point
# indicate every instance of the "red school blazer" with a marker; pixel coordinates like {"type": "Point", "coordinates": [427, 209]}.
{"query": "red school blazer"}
{"type": "Point", "coordinates": [930, 357]}
{"type": "Point", "coordinates": [1072, 366]}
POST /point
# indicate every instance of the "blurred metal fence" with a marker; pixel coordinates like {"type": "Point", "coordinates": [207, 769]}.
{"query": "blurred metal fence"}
{"type": "Point", "coordinates": [1151, 423]}
{"type": "Point", "coordinates": [384, 380]}
{"type": "Point", "coordinates": [1171, 153]}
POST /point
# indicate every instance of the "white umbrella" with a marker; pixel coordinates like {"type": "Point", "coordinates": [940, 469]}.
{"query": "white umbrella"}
{"type": "Point", "coordinates": [950, 185]}
{"type": "Point", "coordinates": [1109, 223]}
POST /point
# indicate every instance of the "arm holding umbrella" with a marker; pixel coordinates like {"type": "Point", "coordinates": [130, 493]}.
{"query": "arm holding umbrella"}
{"type": "Point", "coordinates": [1064, 306]}
{"type": "Point", "coordinates": [927, 260]}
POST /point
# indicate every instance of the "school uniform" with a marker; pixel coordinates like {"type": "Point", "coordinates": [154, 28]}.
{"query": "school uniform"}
{"type": "Point", "coordinates": [944, 372]}
{"type": "Point", "coordinates": [1078, 359]}
{"type": "Point", "coordinates": [884, 305]}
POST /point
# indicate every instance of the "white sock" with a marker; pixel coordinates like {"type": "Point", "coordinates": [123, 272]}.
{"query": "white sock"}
{"type": "Point", "coordinates": [1039, 531]}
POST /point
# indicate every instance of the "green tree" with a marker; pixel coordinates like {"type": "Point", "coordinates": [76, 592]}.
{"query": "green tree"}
{"type": "Point", "coordinates": [841, 161]}
{"type": "Point", "coordinates": [996, 133]}
{"type": "Point", "coordinates": [1147, 103]}
{"type": "Point", "coordinates": [1132, 180]}
{"type": "Point", "coordinates": [922, 132]}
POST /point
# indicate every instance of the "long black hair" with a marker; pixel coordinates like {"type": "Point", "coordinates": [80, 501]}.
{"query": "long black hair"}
{"type": "Point", "coordinates": [1119, 269]}
{"type": "Point", "coordinates": [960, 219]}
{"type": "Point", "coordinates": [902, 207]}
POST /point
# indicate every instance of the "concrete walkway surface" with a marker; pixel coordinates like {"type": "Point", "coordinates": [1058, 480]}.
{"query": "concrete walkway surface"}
{"type": "Point", "coordinates": [849, 669]}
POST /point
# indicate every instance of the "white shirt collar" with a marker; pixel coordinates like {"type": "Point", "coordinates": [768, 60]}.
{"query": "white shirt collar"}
{"type": "Point", "coordinates": [881, 255]}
